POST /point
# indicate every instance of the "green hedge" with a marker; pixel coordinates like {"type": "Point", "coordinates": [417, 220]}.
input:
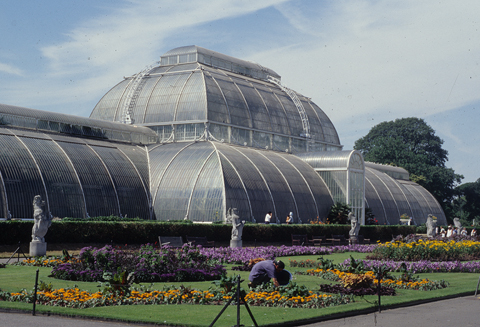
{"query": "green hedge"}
{"type": "Point", "coordinates": [12, 232]}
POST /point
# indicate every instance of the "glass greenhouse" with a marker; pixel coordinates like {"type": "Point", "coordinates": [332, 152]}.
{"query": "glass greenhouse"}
{"type": "Point", "coordinates": [189, 138]}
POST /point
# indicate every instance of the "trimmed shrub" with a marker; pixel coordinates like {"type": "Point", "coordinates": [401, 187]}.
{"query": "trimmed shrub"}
{"type": "Point", "coordinates": [142, 232]}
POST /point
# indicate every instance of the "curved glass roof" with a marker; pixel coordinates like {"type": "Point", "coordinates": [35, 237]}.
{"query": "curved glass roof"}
{"type": "Point", "coordinates": [76, 177]}
{"type": "Point", "coordinates": [202, 180]}
{"type": "Point", "coordinates": [393, 171]}
{"type": "Point", "coordinates": [389, 198]}
{"type": "Point", "coordinates": [179, 91]}
{"type": "Point", "coordinates": [333, 159]}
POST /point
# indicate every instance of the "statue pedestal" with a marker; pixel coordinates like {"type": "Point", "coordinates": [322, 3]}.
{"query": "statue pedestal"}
{"type": "Point", "coordinates": [236, 243]}
{"type": "Point", "coordinates": [353, 240]}
{"type": "Point", "coordinates": [38, 248]}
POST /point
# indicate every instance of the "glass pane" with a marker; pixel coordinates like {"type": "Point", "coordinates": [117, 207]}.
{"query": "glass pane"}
{"type": "Point", "coordinates": [207, 197]}
{"type": "Point", "coordinates": [319, 189]}
{"type": "Point", "coordinates": [217, 109]}
{"type": "Point", "coordinates": [65, 193]}
{"type": "Point", "coordinates": [132, 194]}
{"type": "Point", "coordinates": [239, 114]}
{"type": "Point", "coordinates": [164, 98]}
{"type": "Point", "coordinates": [235, 193]}
{"type": "Point", "coordinates": [97, 186]}
{"type": "Point", "coordinates": [21, 177]}
{"type": "Point", "coordinates": [192, 104]}
{"type": "Point", "coordinates": [106, 108]}
{"type": "Point", "coordinates": [177, 183]}
{"type": "Point", "coordinates": [258, 193]}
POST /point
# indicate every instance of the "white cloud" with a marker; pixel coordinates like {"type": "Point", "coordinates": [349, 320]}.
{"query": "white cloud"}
{"type": "Point", "coordinates": [131, 36]}
{"type": "Point", "coordinates": [379, 58]}
{"type": "Point", "coordinates": [9, 69]}
{"type": "Point", "coordinates": [94, 56]}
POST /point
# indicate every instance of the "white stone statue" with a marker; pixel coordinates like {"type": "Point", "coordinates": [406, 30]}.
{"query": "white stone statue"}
{"type": "Point", "coordinates": [41, 221]}
{"type": "Point", "coordinates": [237, 227]}
{"type": "Point", "coordinates": [457, 223]}
{"type": "Point", "coordinates": [431, 226]}
{"type": "Point", "coordinates": [355, 230]}
{"type": "Point", "coordinates": [38, 246]}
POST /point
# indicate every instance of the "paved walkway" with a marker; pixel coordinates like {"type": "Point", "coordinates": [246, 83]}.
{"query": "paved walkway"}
{"type": "Point", "coordinates": [12, 260]}
{"type": "Point", "coordinates": [462, 312]}
{"type": "Point", "coordinates": [8, 319]}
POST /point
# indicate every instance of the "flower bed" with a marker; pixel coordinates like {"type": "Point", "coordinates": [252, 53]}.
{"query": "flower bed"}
{"type": "Point", "coordinates": [75, 298]}
{"type": "Point", "coordinates": [422, 266]}
{"type": "Point", "coordinates": [414, 249]}
{"type": "Point", "coordinates": [46, 261]}
{"type": "Point", "coordinates": [149, 265]}
{"type": "Point", "coordinates": [312, 300]}
{"type": "Point", "coordinates": [413, 284]}
{"type": "Point", "coordinates": [339, 289]}
{"type": "Point", "coordinates": [240, 255]}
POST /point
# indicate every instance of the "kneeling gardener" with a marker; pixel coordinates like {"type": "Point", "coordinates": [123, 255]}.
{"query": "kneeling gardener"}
{"type": "Point", "coordinates": [265, 270]}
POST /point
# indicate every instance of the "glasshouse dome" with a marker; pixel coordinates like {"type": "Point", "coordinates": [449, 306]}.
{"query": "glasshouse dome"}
{"type": "Point", "coordinates": [194, 90]}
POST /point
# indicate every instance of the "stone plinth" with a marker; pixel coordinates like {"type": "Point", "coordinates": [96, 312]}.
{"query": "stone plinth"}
{"type": "Point", "coordinates": [236, 243]}
{"type": "Point", "coordinates": [38, 248]}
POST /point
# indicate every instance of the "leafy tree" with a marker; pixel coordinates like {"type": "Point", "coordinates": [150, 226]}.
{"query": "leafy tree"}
{"type": "Point", "coordinates": [412, 144]}
{"type": "Point", "coordinates": [338, 213]}
{"type": "Point", "coordinates": [467, 205]}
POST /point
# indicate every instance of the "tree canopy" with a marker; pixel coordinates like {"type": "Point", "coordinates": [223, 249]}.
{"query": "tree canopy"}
{"type": "Point", "coordinates": [468, 202]}
{"type": "Point", "coordinates": [411, 143]}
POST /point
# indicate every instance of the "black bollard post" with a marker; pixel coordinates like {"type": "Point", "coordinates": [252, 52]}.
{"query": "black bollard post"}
{"type": "Point", "coordinates": [238, 301]}
{"type": "Point", "coordinates": [35, 294]}
{"type": "Point", "coordinates": [379, 278]}
{"type": "Point", "coordinates": [476, 291]}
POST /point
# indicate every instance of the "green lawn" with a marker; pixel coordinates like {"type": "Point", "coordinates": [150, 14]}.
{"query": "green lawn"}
{"type": "Point", "coordinates": [15, 278]}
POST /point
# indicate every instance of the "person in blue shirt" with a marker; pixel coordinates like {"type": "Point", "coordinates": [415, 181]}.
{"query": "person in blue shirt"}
{"type": "Point", "coordinates": [264, 271]}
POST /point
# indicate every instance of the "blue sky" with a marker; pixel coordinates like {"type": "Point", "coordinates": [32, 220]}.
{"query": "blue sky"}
{"type": "Point", "coordinates": [362, 62]}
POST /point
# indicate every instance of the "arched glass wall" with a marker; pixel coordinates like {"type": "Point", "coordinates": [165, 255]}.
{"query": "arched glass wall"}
{"type": "Point", "coordinates": [75, 177]}
{"type": "Point", "coordinates": [390, 198]}
{"type": "Point", "coordinates": [202, 180]}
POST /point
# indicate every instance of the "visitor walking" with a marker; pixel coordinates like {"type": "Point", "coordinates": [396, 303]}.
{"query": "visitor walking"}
{"type": "Point", "coordinates": [268, 217]}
